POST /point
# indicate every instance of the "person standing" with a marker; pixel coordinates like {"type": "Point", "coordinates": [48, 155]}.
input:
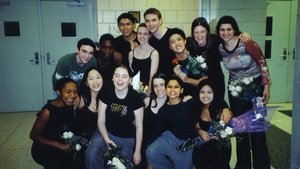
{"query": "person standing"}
{"type": "Point", "coordinates": [74, 65]}
{"type": "Point", "coordinates": [144, 58]}
{"type": "Point", "coordinates": [128, 40]}
{"type": "Point", "coordinates": [160, 40]}
{"type": "Point", "coordinates": [120, 122]}
{"type": "Point", "coordinates": [248, 72]}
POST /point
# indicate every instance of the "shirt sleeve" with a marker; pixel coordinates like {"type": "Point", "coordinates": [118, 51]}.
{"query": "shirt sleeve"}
{"type": "Point", "coordinates": [254, 50]}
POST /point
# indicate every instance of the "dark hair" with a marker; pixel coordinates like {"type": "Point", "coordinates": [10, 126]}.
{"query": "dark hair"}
{"type": "Point", "coordinates": [84, 90]}
{"type": "Point", "coordinates": [127, 15]}
{"type": "Point", "coordinates": [106, 37]}
{"type": "Point", "coordinates": [217, 104]}
{"type": "Point", "coordinates": [178, 79]}
{"type": "Point", "coordinates": [153, 96]}
{"type": "Point", "coordinates": [124, 67]}
{"type": "Point", "coordinates": [228, 20]}
{"type": "Point", "coordinates": [200, 21]}
{"type": "Point", "coordinates": [86, 41]}
{"type": "Point", "coordinates": [153, 11]}
{"type": "Point", "coordinates": [143, 25]}
{"type": "Point", "coordinates": [179, 32]}
{"type": "Point", "coordinates": [61, 83]}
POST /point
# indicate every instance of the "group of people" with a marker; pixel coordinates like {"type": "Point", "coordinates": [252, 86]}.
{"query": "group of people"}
{"type": "Point", "coordinates": [95, 98]}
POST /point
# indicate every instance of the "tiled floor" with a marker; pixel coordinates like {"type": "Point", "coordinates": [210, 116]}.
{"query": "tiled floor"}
{"type": "Point", "coordinates": [15, 143]}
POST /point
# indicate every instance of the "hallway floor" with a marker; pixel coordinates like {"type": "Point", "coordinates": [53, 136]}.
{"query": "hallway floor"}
{"type": "Point", "coordinates": [15, 143]}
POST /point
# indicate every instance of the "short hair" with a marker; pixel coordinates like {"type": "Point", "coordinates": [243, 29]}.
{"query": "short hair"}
{"type": "Point", "coordinates": [178, 79]}
{"type": "Point", "coordinates": [127, 15]}
{"type": "Point", "coordinates": [179, 32]}
{"type": "Point", "coordinates": [228, 20]}
{"type": "Point", "coordinates": [153, 11]}
{"type": "Point", "coordinates": [105, 37]}
{"type": "Point", "coordinates": [61, 83]}
{"type": "Point", "coordinates": [86, 41]}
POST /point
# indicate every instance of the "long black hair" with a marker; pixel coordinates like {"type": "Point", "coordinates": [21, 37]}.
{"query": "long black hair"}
{"type": "Point", "coordinates": [153, 96]}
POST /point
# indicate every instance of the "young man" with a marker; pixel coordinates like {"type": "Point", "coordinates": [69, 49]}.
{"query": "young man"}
{"type": "Point", "coordinates": [127, 41]}
{"type": "Point", "coordinates": [107, 57]}
{"type": "Point", "coordinates": [160, 40]}
{"type": "Point", "coordinates": [75, 64]}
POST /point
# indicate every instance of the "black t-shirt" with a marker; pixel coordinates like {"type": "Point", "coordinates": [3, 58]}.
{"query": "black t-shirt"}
{"type": "Point", "coordinates": [180, 119]}
{"type": "Point", "coordinates": [166, 55]}
{"type": "Point", "coordinates": [124, 47]}
{"type": "Point", "coordinates": [120, 112]}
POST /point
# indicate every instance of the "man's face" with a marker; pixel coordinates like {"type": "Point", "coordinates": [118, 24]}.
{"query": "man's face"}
{"type": "Point", "coordinates": [126, 27]}
{"type": "Point", "coordinates": [107, 49]}
{"type": "Point", "coordinates": [152, 22]}
{"type": "Point", "coordinates": [85, 54]}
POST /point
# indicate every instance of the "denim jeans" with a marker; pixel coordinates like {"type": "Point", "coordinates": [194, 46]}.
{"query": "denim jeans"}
{"type": "Point", "coordinates": [97, 148]}
{"type": "Point", "coordinates": [162, 153]}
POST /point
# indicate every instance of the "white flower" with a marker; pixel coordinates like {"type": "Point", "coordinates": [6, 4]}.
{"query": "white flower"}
{"type": "Point", "coordinates": [223, 134]}
{"type": "Point", "coordinates": [116, 162]}
{"type": "Point", "coordinates": [222, 123]}
{"type": "Point", "coordinates": [229, 130]}
{"type": "Point", "coordinates": [234, 93]}
{"type": "Point", "coordinates": [67, 135]}
{"type": "Point", "coordinates": [238, 88]}
{"type": "Point", "coordinates": [203, 65]}
{"type": "Point", "coordinates": [200, 59]}
{"type": "Point", "coordinates": [78, 147]}
{"type": "Point", "coordinates": [264, 68]}
{"type": "Point", "coordinates": [231, 88]}
{"type": "Point", "coordinates": [247, 80]}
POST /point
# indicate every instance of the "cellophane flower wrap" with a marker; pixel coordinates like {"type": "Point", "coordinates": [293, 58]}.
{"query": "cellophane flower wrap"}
{"type": "Point", "coordinates": [256, 119]}
{"type": "Point", "coordinates": [115, 159]}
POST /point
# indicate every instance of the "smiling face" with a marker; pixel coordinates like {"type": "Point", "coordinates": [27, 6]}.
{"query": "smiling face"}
{"type": "Point", "coordinates": [68, 93]}
{"type": "Point", "coordinates": [226, 32]}
{"type": "Point", "coordinates": [200, 34]}
{"type": "Point", "coordinates": [159, 87]}
{"type": "Point", "coordinates": [152, 22]}
{"type": "Point", "coordinates": [206, 95]}
{"type": "Point", "coordinates": [177, 43]}
{"type": "Point", "coordinates": [94, 81]}
{"type": "Point", "coordinates": [143, 35]}
{"type": "Point", "coordinates": [84, 54]}
{"type": "Point", "coordinates": [121, 79]}
{"type": "Point", "coordinates": [126, 27]}
{"type": "Point", "coordinates": [174, 90]}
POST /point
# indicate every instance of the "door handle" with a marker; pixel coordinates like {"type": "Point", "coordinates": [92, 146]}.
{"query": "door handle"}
{"type": "Point", "coordinates": [294, 53]}
{"type": "Point", "coordinates": [49, 60]}
{"type": "Point", "coordinates": [284, 54]}
{"type": "Point", "coordinates": [36, 59]}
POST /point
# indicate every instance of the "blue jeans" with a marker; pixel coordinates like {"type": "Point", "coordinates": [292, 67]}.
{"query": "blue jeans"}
{"type": "Point", "coordinates": [97, 148]}
{"type": "Point", "coordinates": [162, 153]}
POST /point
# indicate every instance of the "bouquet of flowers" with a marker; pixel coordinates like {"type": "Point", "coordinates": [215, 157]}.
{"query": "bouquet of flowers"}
{"type": "Point", "coordinates": [115, 158]}
{"type": "Point", "coordinates": [254, 120]}
{"type": "Point", "coordinates": [76, 142]}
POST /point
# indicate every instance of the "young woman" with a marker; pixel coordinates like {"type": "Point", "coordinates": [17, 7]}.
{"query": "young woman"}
{"type": "Point", "coordinates": [86, 106]}
{"type": "Point", "coordinates": [248, 71]}
{"type": "Point", "coordinates": [175, 123]}
{"type": "Point", "coordinates": [55, 118]}
{"type": "Point", "coordinates": [204, 44]}
{"type": "Point", "coordinates": [213, 154]}
{"type": "Point", "coordinates": [144, 58]}
{"type": "Point", "coordinates": [120, 121]}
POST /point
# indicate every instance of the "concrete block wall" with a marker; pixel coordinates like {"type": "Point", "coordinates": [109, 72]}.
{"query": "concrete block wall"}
{"type": "Point", "coordinates": [176, 13]}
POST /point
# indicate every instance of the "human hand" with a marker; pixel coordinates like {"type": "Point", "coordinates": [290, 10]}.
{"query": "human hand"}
{"type": "Point", "coordinates": [186, 98]}
{"type": "Point", "coordinates": [226, 115]}
{"type": "Point", "coordinates": [245, 37]}
{"type": "Point", "coordinates": [266, 94]}
{"type": "Point", "coordinates": [110, 142]}
{"type": "Point", "coordinates": [177, 70]}
{"type": "Point", "coordinates": [134, 45]}
{"type": "Point", "coordinates": [204, 135]}
{"type": "Point", "coordinates": [137, 158]}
